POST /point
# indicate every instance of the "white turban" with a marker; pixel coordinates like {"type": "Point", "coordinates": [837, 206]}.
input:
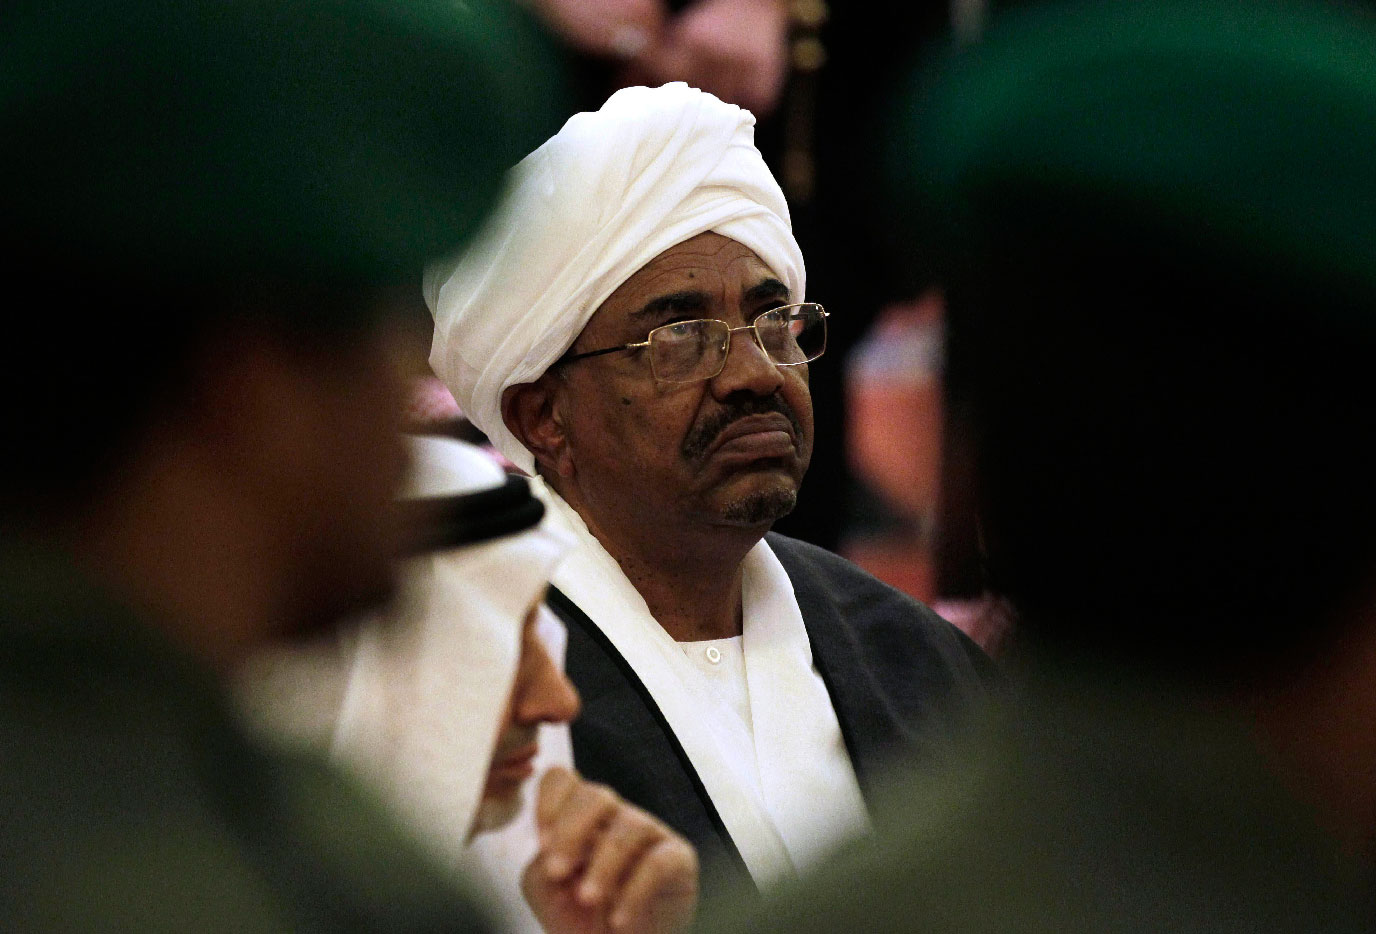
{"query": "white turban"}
{"type": "Point", "coordinates": [607, 194]}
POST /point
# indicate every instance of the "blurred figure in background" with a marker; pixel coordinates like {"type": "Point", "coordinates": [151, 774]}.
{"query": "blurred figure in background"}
{"type": "Point", "coordinates": [736, 50]}
{"type": "Point", "coordinates": [1158, 221]}
{"type": "Point", "coordinates": [207, 207]}
{"type": "Point", "coordinates": [455, 700]}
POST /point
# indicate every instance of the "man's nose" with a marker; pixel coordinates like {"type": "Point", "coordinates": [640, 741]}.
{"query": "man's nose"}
{"type": "Point", "coordinates": [747, 368]}
{"type": "Point", "coordinates": [547, 696]}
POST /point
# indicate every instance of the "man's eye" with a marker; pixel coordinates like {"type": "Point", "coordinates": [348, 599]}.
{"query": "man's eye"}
{"type": "Point", "coordinates": [676, 328]}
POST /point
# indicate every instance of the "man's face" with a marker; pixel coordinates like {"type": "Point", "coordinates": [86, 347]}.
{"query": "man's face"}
{"type": "Point", "coordinates": [337, 479]}
{"type": "Point", "coordinates": [541, 693]}
{"type": "Point", "coordinates": [731, 450]}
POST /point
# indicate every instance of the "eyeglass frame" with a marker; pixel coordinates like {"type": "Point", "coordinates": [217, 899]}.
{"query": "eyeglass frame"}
{"type": "Point", "coordinates": [726, 352]}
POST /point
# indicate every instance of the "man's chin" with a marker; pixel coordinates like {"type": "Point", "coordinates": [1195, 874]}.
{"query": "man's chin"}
{"type": "Point", "coordinates": [761, 506]}
{"type": "Point", "coordinates": [496, 811]}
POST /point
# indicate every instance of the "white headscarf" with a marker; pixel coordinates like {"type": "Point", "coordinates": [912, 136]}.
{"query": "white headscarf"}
{"type": "Point", "coordinates": [414, 702]}
{"type": "Point", "coordinates": [582, 214]}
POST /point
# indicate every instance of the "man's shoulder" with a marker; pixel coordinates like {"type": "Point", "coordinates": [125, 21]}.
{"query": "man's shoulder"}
{"type": "Point", "coordinates": [798, 555]}
{"type": "Point", "coordinates": [819, 573]}
{"type": "Point", "coordinates": [888, 623]}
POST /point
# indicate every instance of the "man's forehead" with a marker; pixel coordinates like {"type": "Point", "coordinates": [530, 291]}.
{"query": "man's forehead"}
{"type": "Point", "coordinates": [709, 249]}
{"type": "Point", "coordinates": [709, 262]}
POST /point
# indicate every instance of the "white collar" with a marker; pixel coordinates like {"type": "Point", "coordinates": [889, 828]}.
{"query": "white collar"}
{"type": "Point", "coordinates": [800, 754]}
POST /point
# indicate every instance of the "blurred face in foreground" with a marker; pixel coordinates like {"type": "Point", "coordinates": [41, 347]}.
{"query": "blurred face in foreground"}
{"type": "Point", "coordinates": [540, 694]}
{"type": "Point", "coordinates": [331, 471]}
{"type": "Point", "coordinates": [253, 495]}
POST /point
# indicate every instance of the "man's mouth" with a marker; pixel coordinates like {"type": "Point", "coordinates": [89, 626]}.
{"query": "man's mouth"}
{"type": "Point", "coordinates": [769, 434]}
{"type": "Point", "coordinates": [754, 416]}
{"type": "Point", "coordinates": [516, 765]}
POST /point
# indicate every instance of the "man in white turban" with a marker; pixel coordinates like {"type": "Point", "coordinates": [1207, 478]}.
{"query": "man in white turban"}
{"type": "Point", "coordinates": [631, 330]}
{"type": "Point", "coordinates": [456, 701]}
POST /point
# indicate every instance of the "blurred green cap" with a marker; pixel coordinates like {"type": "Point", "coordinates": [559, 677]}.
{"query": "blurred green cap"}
{"type": "Point", "coordinates": [1245, 130]}
{"type": "Point", "coordinates": [352, 139]}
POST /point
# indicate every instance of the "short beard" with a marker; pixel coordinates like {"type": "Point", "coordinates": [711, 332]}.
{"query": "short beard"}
{"type": "Point", "coordinates": [762, 507]}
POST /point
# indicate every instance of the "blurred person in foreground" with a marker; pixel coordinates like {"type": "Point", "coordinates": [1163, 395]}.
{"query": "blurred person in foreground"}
{"type": "Point", "coordinates": [631, 330]}
{"type": "Point", "coordinates": [207, 208]}
{"type": "Point", "coordinates": [1158, 220]}
{"type": "Point", "coordinates": [455, 700]}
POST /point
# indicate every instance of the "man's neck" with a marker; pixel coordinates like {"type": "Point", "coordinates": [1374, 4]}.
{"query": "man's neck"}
{"type": "Point", "coordinates": [689, 577]}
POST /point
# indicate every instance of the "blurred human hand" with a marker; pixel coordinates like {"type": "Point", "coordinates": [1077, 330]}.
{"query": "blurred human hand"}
{"type": "Point", "coordinates": [736, 49]}
{"type": "Point", "coordinates": [604, 866]}
{"type": "Point", "coordinates": [620, 29]}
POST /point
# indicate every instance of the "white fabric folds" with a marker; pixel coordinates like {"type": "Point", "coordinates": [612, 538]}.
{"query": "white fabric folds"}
{"type": "Point", "coordinates": [414, 702]}
{"type": "Point", "coordinates": [607, 194]}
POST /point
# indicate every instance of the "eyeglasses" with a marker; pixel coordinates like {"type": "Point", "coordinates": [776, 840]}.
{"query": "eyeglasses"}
{"type": "Point", "coordinates": [688, 351]}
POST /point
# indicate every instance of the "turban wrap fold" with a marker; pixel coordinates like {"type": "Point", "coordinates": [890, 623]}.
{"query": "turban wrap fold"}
{"type": "Point", "coordinates": [607, 194]}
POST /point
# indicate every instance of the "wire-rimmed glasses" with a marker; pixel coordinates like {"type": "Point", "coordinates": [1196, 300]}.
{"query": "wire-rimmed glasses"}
{"type": "Point", "coordinates": [688, 351]}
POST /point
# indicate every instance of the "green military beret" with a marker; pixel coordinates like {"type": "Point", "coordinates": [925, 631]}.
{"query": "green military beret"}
{"type": "Point", "coordinates": [341, 138]}
{"type": "Point", "coordinates": [1245, 130]}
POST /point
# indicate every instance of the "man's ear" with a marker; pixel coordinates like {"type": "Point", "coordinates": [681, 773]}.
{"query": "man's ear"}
{"type": "Point", "coordinates": [533, 412]}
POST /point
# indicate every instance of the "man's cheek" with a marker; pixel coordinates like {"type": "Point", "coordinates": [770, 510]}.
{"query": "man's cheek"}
{"type": "Point", "coordinates": [654, 428]}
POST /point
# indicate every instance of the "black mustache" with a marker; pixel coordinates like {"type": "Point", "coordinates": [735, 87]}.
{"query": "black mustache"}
{"type": "Point", "coordinates": [700, 439]}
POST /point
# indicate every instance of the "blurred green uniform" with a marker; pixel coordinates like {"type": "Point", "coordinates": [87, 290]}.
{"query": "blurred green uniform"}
{"type": "Point", "coordinates": [132, 801]}
{"type": "Point", "coordinates": [169, 148]}
{"type": "Point", "coordinates": [1100, 805]}
{"type": "Point", "coordinates": [1158, 223]}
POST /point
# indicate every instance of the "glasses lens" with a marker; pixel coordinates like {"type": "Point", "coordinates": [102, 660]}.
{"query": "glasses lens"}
{"type": "Point", "coordinates": [793, 334]}
{"type": "Point", "coordinates": [688, 350]}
